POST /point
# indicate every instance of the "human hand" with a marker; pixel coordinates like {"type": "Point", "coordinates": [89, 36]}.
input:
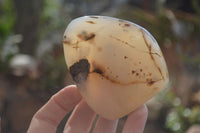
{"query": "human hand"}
{"type": "Point", "coordinates": [50, 115]}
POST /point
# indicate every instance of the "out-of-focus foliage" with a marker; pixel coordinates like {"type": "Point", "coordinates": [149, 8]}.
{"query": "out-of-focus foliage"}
{"type": "Point", "coordinates": [7, 21]}
{"type": "Point", "coordinates": [52, 19]}
{"type": "Point", "coordinates": [180, 117]}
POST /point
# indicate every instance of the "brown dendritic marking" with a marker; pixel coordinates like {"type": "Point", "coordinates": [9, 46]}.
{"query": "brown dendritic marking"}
{"type": "Point", "coordinates": [86, 36]}
{"type": "Point", "coordinates": [91, 22]}
{"type": "Point", "coordinates": [141, 70]}
{"type": "Point", "coordinates": [122, 41]}
{"type": "Point", "coordinates": [100, 70]}
{"type": "Point", "coordinates": [94, 17]}
{"type": "Point", "coordinates": [151, 55]}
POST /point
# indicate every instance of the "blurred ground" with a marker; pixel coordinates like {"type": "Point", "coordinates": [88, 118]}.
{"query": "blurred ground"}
{"type": "Point", "coordinates": [32, 66]}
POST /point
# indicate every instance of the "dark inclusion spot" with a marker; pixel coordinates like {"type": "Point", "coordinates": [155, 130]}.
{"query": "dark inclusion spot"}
{"type": "Point", "coordinates": [80, 70]}
{"type": "Point", "coordinates": [86, 36]}
{"type": "Point", "coordinates": [151, 82]}
{"type": "Point", "coordinates": [97, 70]}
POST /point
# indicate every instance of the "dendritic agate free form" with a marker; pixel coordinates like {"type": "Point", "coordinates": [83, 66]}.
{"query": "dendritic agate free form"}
{"type": "Point", "coordinates": [117, 65]}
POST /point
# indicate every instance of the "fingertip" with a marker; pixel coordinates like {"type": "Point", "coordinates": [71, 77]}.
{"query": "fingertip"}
{"type": "Point", "coordinates": [50, 115]}
{"type": "Point", "coordinates": [81, 119]}
{"type": "Point", "coordinates": [143, 110]}
{"type": "Point", "coordinates": [68, 92]}
{"type": "Point", "coordinates": [136, 120]}
{"type": "Point", "coordinates": [105, 126]}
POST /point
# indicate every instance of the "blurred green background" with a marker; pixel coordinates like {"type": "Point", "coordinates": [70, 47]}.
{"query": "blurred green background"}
{"type": "Point", "coordinates": [32, 66]}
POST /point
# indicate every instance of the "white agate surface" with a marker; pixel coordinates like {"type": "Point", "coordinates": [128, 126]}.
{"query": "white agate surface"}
{"type": "Point", "coordinates": [116, 64]}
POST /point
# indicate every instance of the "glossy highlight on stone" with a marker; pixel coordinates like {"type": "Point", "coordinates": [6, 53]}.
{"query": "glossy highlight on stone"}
{"type": "Point", "coordinates": [116, 64]}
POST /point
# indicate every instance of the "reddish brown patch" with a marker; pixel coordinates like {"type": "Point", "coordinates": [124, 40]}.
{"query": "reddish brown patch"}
{"type": "Point", "coordinates": [126, 42]}
{"type": "Point", "coordinates": [76, 47]}
{"type": "Point", "coordinates": [127, 25]}
{"type": "Point", "coordinates": [155, 88]}
{"type": "Point", "coordinates": [141, 70]}
{"type": "Point", "coordinates": [132, 71]}
{"type": "Point", "coordinates": [125, 57]}
{"type": "Point", "coordinates": [150, 74]}
{"type": "Point", "coordinates": [91, 22]}
{"type": "Point", "coordinates": [66, 42]}
{"type": "Point", "coordinates": [99, 49]}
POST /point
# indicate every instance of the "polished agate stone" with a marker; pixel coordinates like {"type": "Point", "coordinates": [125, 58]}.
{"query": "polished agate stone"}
{"type": "Point", "coordinates": [117, 65]}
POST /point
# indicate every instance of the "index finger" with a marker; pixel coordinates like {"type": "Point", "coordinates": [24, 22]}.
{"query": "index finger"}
{"type": "Point", "coordinates": [50, 115]}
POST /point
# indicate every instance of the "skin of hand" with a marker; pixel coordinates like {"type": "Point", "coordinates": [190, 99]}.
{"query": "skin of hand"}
{"type": "Point", "coordinates": [50, 115]}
